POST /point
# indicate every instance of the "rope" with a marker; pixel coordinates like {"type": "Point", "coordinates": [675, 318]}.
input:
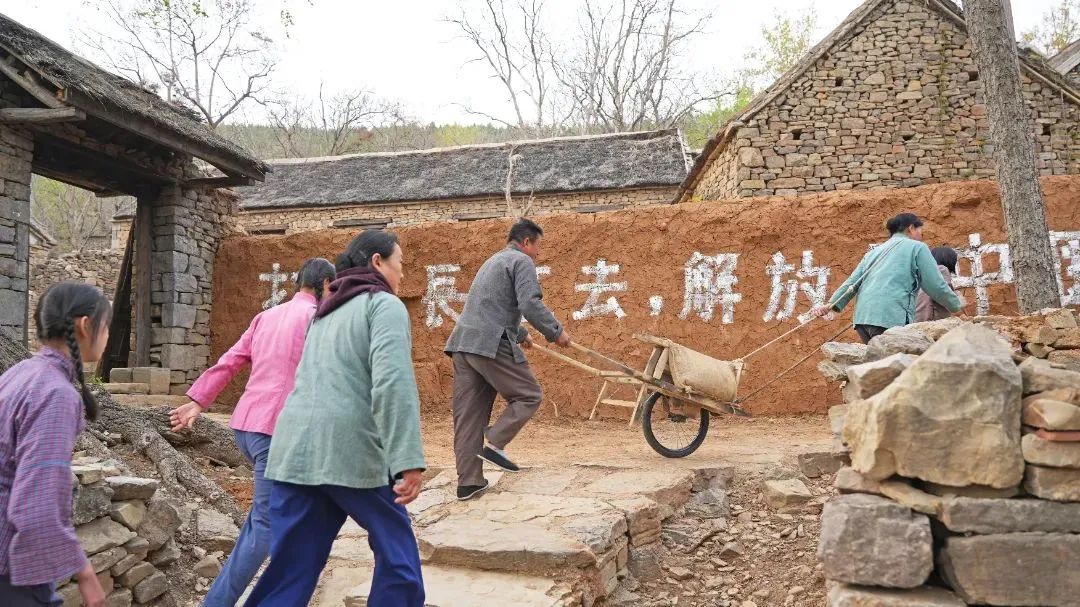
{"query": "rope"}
{"type": "Point", "coordinates": [739, 401]}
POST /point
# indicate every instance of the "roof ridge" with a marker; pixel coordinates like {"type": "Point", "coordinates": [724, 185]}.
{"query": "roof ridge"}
{"type": "Point", "coordinates": [627, 135]}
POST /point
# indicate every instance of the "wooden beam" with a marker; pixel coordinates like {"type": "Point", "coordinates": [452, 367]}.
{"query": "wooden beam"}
{"type": "Point", "coordinates": [234, 167]}
{"type": "Point", "coordinates": [35, 90]}
{"type": "Point", "coordinates": [101, 173]}
{"type": "Point", "coordinates": [142, 232]}
{"type": "Point", "coordinates": [119, 346]}
{"type": "Point", "coordinates": [219, 182]}
{"type": "Point", "coordinates": [23, 115]}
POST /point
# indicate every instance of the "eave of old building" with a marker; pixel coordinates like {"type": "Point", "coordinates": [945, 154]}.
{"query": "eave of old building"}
{"type": "Point", "coordinates": [1032, 64]}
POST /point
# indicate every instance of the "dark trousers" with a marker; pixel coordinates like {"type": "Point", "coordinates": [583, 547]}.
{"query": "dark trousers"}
{"type": "Point", "coordinates": [38, 595]}
{"type": "Point", "coordinates": [305, 519]}
{"type": "Point", "coordinates": [868, 332]}
{"type": "Point", "coordinates": [477, 379]}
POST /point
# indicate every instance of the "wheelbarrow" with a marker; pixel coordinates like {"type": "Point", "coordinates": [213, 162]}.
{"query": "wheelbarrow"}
{"type": "Point", "coordinates": [678, 391]}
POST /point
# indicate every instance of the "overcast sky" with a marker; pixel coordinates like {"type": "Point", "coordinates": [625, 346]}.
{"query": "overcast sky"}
{"type": "Point", "coordinates": [404, 50]}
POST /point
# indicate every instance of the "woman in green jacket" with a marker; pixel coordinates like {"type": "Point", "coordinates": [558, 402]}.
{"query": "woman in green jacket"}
{"type": "Point", "coordinates": [347, 442]}
{"type": "Point", "coordinates": [888, 279]}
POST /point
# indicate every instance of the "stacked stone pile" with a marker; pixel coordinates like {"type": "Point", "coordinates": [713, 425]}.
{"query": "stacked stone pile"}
{"type": "Point", "coordinates": [126, 531]}
{"type": "Point", "coordinates": [964, 483]}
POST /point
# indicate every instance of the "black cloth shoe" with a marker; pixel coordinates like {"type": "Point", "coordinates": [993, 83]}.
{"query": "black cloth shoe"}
{"type": "Point", "coordinates": [496, 458]}
{"type": "Point", "coordinates": [467, 492]}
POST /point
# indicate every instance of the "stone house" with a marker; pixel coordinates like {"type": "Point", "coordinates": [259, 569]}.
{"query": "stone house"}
{"type": "Point", "coordinates": [891, 98]}
{"type": "Point", "coordinates": [64, 118]}
{"type": "Point", "coordinates": [566, 174]}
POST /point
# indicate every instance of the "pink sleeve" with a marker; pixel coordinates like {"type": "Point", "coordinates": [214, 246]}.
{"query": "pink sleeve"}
{"type": "Point", "coordinates": [205, 390]}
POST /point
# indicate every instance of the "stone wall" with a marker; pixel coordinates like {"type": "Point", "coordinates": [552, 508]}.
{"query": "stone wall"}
{"type": "Point", "coordinates": [945, 431]}
{"type": "Point", "coordinates": [127, 533]}
{"type": "Point", "coordinates": [16, 154]}
{"type": "Point", "coordinates": [394, 215]}
{"type": "Point", "coordinates": [97, 268]}
{"type": "Point", "coordinates": [187, 225]}
{"type": "Point", "coordinates": [898, 104]}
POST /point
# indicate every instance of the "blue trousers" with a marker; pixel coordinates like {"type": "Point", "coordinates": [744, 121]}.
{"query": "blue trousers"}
{"type": "Point", "coordinates": [39, 595]}
{"type": "Point", "coordinates": [253, 544]}
{"type": "Point", "coordinates": [305, 519]}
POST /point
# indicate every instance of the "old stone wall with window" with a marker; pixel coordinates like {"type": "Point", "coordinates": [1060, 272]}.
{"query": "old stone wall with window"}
{"type": "Point", "coordinates": [895, 102]}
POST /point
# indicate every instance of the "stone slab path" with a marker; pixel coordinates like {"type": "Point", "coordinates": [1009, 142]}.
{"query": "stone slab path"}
{"type": "Point", "coordinates": [556, 536]}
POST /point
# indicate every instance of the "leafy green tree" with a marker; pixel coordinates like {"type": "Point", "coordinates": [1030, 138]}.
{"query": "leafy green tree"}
{"type": "Point", "coordinates": [1060, 27]}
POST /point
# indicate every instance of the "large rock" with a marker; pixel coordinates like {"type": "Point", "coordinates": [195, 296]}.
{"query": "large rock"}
{"type": "Point", "coordinates": [1014, 569]}
{"type": "Point", "coordinates": [932, 329]}
{"type": "Point", "coordinates": [131, 487]}
{"type": "Point", "coordinates": [1039, 376]}
{"type": "Point", "coordinates": [161, 522]}
{"type": "Point", "coordinates": [91, 502]}
{"type": "Point", "coordinates": [973, 491]}
{"type": "Point", "coordinates": [992, 516]}
{"type": "Point", "coordinates": [843, 595]}
{"type": "Point", "coordinates": [135, 574]}
{"type": "Point", "coordinates": [216, 530]}
{"type": "Point", "coordinates": [787, 494]}
{"type": "Point", "coordinates": [129, 514]}
{"type": "Point", "coordinates": [1049, 453]}
{"type": "Point", "coordinates": [105, 560]}
{"type": "Point", "coordinates": [151, 588]}
{"type": "Point", "coordinates": [818, 464]}
{"type": "Point", "coordinates": [1058, 484]}
{"type": "Point", "coordinates": [952, 418]}
{"type": "Point", "coordinates": [898, 342]}
{"type": "Point", "coordinates": [101, 535]}
{"type": "Point", "coordinates": [1049, 413]}
{"type": "Point", "coordinates": [871, 541]}
{"type": "Point", "coordinates": [850, 481]}
{"type": "Point", "coordinates": [119, 598]}
{"type": "Point", "coordinates": [166, 555]}
{"type": "Point", "coordinates": [834, 372]}
{"type": "Point", "coordinates": [844, 353]}
{"type": "Point", "coordinates": [868, 379]}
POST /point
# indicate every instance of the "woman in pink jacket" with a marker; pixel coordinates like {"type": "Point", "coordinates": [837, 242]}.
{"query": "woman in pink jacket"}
{"type": "Point", "coordinates": [272, 345]}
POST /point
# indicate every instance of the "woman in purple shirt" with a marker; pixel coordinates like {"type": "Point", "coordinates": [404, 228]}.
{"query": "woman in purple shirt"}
{"type": "Point", "coordinates": [272, 346]}
{"type": "Point", "coordinates": [41, 414]}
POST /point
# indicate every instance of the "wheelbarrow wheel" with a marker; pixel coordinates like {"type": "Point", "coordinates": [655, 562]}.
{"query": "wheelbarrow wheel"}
{"type": "Point", "coordinates": [673, 428]}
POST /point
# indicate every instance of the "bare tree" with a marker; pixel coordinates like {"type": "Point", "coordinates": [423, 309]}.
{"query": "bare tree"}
{"type": "Point", "coordinates": [626, 72]}
{"type": "Point", "coordinates": [331, 124]}
{"type": "Point", "coordinates": [518, 52]}
{"type": "Point", "coordinates": [76, 218]}
{"type": "Point", "coordinates": [621, 70]}
{"type": "Point", "coordinates": [993, 42]}
{"type": "Point", "coordinates": [206, 54]}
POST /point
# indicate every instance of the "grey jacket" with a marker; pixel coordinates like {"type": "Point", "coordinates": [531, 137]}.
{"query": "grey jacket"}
{"type": "Point", "coordinates": [505, 289]}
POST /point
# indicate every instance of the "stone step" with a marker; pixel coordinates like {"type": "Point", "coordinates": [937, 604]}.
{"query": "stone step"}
{"type": "Point", "coordinates": [669, 487]}
{"type": "Point", "coordinates": [456, 587]}
{"type": "Point", "coordinates": [582, 541]}
{"type": "Point", "coordinates": [126, 388]}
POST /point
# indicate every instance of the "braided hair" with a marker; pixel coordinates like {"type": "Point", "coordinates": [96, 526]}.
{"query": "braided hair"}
{"type": "Point", "coordinates": [313, 274]}
{"type": "Point", "coordinates": [362, 248]}
{"type": "Point", "coordinates": [57, 310]}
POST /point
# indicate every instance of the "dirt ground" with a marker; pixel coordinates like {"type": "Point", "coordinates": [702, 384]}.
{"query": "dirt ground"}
{"type": "Point", "coordinates": [549, 441]}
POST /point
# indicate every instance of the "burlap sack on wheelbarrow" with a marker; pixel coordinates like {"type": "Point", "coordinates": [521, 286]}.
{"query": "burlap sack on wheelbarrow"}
{"type": "Point", "coordinates": [702, 374]}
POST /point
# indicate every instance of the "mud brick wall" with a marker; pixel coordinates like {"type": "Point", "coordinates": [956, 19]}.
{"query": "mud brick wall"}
{"type": "Point", "coordinates": [703, 274]}
{"type": "Point", "coordinates": [898, 104]}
